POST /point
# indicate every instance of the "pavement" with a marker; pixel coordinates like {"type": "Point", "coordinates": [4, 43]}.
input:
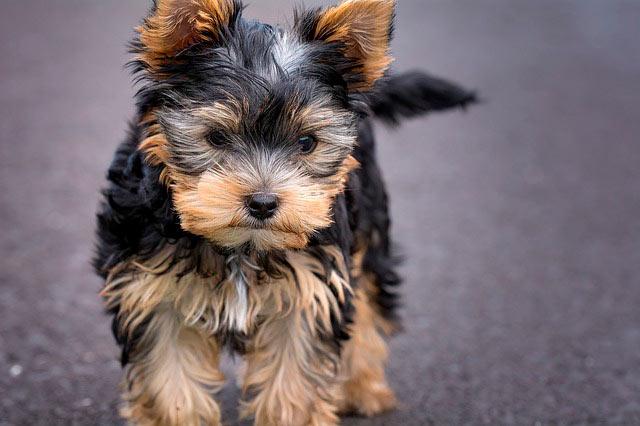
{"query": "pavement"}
{"type": "Point", "coordinates": [519, 219]}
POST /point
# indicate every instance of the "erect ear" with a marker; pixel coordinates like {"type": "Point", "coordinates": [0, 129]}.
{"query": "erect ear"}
{"type": "Point", "coordinates": [363, 28]}
{"type": "Point", "coordinates": [174, 25]}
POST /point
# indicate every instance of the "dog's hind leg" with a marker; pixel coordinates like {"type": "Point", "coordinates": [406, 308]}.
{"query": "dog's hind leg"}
{"type": "Point", "coordinates": [365, 389]}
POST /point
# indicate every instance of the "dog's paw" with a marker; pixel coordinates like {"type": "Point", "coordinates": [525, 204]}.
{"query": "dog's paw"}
{"type": "Point", "coordinates": [370, 400]}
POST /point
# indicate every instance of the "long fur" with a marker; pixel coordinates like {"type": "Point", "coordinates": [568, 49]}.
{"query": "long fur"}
{"type": "Point", "coordinates": [414, 93]}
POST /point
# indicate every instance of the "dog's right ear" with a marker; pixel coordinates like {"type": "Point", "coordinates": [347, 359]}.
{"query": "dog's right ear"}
{"type": "Point", "coordinates": [175, 25]}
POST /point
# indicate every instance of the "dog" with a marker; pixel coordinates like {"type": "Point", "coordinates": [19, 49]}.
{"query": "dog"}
{"type": "Point", "coordinates": [246, 210]}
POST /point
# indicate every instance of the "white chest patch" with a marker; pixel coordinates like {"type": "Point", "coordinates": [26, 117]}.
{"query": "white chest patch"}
{"type": "Point", "coordinates": [236, 309]}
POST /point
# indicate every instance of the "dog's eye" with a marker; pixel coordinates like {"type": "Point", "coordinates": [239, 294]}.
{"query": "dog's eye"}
{"type": "Point", "coordinates": [217, 138]}
{"type": "Point", "coordinates": [307, 143]}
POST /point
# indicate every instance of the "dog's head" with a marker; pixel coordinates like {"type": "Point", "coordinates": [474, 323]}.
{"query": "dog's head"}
{"type": "Point", "coordinates": [254, 125]}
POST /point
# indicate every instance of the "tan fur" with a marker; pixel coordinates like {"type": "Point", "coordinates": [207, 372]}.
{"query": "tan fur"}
{"type": "Point", "coordinates": [176, 24]}
{"type": "Point", "coordinates": [286, 372]}
{"type": "Point", "coordinates": [363, 26]}
{"type": "Point", "coordinates": [174, 370]}
{"type": "Point", "coordinates": [388, 327]}
{"type": "Point", "coordinates": [364, 356]}
{"type": "Point", "coordinates": [154, 145]}
{"type": "Point", "coordinates": [223, 115]}
{"type": "Point", "coordinates": [139, 290]}
{"type": "Point", "coordinates": [289, 371]}
{"type": "Point", "coordinates": [213, 205]}
{"type": "Point", "coordinates": [171, 378]}
{"type": "Point", "coordinates": [366, 282]}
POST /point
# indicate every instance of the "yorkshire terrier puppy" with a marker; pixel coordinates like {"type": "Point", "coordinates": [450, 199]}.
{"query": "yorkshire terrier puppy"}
{"type": "Point", "coordinates": [246, 210]}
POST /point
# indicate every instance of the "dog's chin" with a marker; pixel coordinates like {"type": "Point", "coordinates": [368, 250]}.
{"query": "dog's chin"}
{"type": "Point", "coordinates": [258, 238]}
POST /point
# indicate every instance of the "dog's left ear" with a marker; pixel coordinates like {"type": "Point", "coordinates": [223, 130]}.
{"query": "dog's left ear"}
{"type": "Point", "coordinates": [362, 29]}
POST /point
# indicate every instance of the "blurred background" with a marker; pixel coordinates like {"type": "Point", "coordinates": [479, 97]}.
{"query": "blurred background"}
{"type": "Point", "coordinates": [519, 219]}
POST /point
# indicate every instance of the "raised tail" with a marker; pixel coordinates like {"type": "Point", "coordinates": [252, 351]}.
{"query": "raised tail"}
{"type": "Point", "coordinates": [415, 93]}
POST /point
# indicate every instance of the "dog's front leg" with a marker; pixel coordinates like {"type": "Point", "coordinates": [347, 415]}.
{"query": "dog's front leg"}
{"type": "Point", "coordinates": [292, 360]}
{"type": "Point", "coordinates": [172, 374]}
{"type": "Point", "coordinates": [288, 380]}
{"type": "Point", "coordinates": [364, 356]}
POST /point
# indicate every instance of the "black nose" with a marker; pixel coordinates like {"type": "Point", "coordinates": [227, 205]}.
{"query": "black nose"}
{"type": "Point", "coordinates": [262, 205]}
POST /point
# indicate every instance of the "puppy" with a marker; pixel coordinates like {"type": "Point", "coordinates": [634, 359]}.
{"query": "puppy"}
{"type": "Point", "coordinates": [246, 210]}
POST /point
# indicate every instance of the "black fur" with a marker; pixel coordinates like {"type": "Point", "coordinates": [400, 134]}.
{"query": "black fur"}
{"type": "Point", "coordinates": [415, 93]}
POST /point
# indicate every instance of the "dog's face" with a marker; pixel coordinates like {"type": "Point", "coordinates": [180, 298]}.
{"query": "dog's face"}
{"type": "Point", "coordinates": [255, 125]}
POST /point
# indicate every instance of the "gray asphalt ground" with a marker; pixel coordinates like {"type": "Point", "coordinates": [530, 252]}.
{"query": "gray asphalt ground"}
{"type": "Point", "coordinates": [519, 220]}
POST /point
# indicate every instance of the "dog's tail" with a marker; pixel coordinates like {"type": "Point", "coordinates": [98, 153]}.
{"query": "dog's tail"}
{"type": "Point", "coordinates": [415, 93]}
